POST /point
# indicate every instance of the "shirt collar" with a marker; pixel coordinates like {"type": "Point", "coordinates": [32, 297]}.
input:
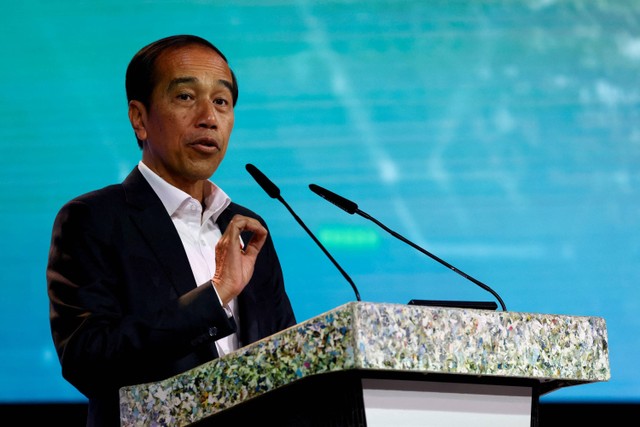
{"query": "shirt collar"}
{"type": "Point", "coordinates": [172, 197]}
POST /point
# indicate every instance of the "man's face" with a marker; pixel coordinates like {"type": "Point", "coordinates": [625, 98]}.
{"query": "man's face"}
{"type": "Point", "coordinates": [187, 126]}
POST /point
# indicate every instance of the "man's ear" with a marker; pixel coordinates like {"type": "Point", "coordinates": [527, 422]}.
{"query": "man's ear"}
{"type": "Point", "coordinates": [138, 119]}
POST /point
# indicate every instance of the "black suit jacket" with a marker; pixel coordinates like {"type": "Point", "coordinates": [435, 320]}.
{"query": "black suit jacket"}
{"type": "Point", "coordinates": [124, 305]}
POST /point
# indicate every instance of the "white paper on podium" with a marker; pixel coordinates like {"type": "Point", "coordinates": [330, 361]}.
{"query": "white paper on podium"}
{"type": "Point", "coordinates": [435, 404]}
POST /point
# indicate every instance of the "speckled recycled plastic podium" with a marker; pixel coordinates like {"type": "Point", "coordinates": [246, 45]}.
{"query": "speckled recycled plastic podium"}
{"type": "Point", "coordinates": [374, 364]}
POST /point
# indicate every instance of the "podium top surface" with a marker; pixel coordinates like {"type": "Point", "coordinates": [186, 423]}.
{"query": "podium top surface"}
{"type": "Point", "coordinates": [552, 350]}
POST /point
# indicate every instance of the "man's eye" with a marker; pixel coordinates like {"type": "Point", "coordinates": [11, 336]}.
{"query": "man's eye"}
{"type": "Point", "coordinates": [221, 101]}
{"type": "Point", "coordinates": [184, 96]}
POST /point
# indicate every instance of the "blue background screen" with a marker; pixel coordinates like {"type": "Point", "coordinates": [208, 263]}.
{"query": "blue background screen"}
{"type": "Point", "coordinates": [503, 137]}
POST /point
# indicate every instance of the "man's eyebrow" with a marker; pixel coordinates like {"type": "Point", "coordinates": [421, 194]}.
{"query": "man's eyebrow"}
{"type": "Point", "coordinates": [188, 79]}
{"type": "Point", "coordinates": [227, 84]}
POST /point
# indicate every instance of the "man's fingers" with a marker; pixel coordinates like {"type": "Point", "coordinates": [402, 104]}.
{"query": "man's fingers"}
{"type": "Point", "coordinates": [241, 223]}
{"type": "Point", "coordinates": [234, 266]}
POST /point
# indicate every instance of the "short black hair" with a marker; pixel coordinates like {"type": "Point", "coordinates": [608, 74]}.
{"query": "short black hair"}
{"type": "Point", "coordinates": [141, 76]}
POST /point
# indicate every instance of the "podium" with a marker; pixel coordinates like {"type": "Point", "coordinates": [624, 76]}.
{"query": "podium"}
{"type": "Point", "coordinates": [374, 364]}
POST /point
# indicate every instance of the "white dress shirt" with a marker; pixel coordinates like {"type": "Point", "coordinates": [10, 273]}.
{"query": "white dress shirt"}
{"type": "Point", "coordinates": [199, 233]}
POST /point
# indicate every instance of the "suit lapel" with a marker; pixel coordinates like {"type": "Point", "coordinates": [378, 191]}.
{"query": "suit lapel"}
{"type": "Point", "coordinates": [150, 217]}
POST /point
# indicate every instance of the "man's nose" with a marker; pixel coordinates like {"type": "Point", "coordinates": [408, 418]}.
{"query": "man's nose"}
{"type": "Point", "coordinates": [207, 115]}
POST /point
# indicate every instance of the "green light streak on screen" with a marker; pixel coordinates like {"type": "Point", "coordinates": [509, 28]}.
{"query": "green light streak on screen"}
{"type": "Point", "coordinates": [346, 237]}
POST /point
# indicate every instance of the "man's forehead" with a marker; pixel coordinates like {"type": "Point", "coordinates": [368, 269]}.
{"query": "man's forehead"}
{"type": "Point", "coordinates": [186, 60]}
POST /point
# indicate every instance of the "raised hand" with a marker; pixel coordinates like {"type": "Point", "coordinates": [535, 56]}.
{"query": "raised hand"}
{"type": "Point", "coordinates": [234, 266]}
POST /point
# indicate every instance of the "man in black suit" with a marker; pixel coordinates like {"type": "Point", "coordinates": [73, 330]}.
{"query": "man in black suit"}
{"type": "Point", "coordinates": [161, 273]}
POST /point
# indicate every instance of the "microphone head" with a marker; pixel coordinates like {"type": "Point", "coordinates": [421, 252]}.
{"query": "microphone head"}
{"type": "Point", "coordinates": [344, 204]}
{"type": "Point", "coordinates": [267, 185]}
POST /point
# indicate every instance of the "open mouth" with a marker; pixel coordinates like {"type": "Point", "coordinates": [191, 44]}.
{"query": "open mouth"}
{"type": "Point", "coordinates": [207, 144]}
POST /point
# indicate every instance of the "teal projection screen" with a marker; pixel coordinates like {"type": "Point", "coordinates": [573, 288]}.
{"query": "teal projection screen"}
{"type": "Point", "coordinates": [501, 136]}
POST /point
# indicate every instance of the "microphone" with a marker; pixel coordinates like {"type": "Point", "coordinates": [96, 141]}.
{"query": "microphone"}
{"type": "Point", "coordinates": [274, 192]}
{"type": "Point", "coordinates": [351, 208]}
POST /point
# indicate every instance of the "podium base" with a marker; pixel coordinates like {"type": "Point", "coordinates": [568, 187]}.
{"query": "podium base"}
{"type": "Point", "coordinates": [372, 399]}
